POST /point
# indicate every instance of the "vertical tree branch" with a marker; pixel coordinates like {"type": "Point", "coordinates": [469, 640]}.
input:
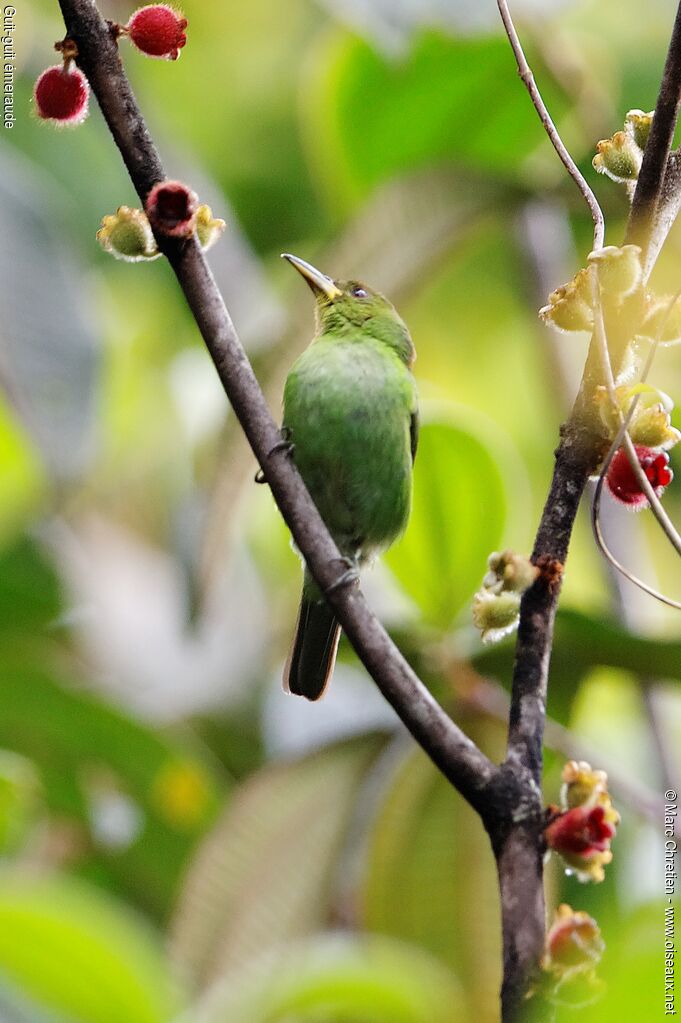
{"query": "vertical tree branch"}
{"type": "Point", "coordinates": [578, 454]}
{"type": "Point", "coordinates": [655, 188]}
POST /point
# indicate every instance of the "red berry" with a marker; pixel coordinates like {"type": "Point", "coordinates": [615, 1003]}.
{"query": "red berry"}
{"type": "Point", "coordinates": [61, 94]}
{"type": "Point", "coordinates": [171, 208]}
{"type": "Point", "coordinates": [622, 482]}
{"type": "Point", "coordinates": [158, 31]}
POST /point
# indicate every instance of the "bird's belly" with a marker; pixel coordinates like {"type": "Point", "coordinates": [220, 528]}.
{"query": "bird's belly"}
{"type": "Point", "coordinates": [351, 445]}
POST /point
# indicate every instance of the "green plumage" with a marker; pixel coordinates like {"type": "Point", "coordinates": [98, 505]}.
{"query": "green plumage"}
{"type": "Point", "coordinates": [350, 412]}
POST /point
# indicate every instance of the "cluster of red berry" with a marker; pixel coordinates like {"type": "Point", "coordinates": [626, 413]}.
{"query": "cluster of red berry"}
{"type": "Point", "coordinates": [61, 92]}
{"type": "Point", "coordinates": [623, 483]}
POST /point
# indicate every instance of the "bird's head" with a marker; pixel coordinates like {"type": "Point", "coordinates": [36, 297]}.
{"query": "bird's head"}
{"type": "Point", "coordinates": [344, 305]}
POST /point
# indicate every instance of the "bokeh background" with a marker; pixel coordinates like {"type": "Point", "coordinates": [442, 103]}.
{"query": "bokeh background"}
{"type": "Point", "coordinates": [179, 839]}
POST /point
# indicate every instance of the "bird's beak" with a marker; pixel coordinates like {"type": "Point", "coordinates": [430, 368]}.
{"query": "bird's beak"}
{"type": "Point", "coordinates": [318, 282]}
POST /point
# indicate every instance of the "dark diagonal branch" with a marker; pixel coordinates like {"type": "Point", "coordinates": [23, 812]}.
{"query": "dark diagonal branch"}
{"type": "Point", "coordinates": [449, 748]}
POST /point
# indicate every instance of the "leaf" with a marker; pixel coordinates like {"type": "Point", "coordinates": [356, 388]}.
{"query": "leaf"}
{"type": "Point", "coordinates": [262, 876]}
{"type": "Point", "coordinates": [338, 979]}
{"type": "Point", "coordinates": [367, 117]}
{"type": "Point", "coordinates": [457, 519]}
{"type": "Point", "coordinates": [95, 762]}
{"type": "Point", "coordinates": [74, 951]}
{"type": "Point", "coordinates": [581, 643]}
{"type": "Point", "coordinates": [30, 596]}
{"type": "Point", "coordinates": [430, 876]}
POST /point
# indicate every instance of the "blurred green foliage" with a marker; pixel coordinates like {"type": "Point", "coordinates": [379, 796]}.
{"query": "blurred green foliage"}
{"type": "Point", "coordinates": [181, 841]}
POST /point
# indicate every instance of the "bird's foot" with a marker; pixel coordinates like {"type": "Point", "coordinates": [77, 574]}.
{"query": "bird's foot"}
{"type": "Point", "coordinates": [349, 578]}
{"type": "Point", "coordinates": [284, 444]}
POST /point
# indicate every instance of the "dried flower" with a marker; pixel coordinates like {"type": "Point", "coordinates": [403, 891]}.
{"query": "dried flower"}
{"type": "Point", "coordinates": [573, 944]}
{"type": "Point", "coordinates": [172, 208]}
{"type": "Point", "coordinates": [582, 829]}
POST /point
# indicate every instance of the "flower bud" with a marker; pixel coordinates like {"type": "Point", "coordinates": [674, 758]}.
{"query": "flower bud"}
{"type": "Point", "coordinates": [158, 31]}
{"type": "Point", "coordinates": [509, 571]}
{"type": "Point", "coordinates": [61, 95]}
{"type": "Point", "coordinates": [495, 614]}
{"type": "Point", "coordinates": [569, 306]}
{"type": "Point", "coordinates": [650, 424]}
{"type": "Point", "coordinates": [619, 157]}
{"type": "Point", "coordinates": [573, 944]}
{"type": "Point", "coordinates": [619, 269]}
{"type": "Point", "coordinates": [652, 428]}
{"type": "Point", "coordinates": [638, 124]}
{"type": "Point", "coordinates": [581, 784]}
{"type": "Point", "coordinates": [172, 208]}
{"type": "Point", "coordinates": [126, 234]}
{"type": "Point", "coordinates": [208, 228]}
{"type": "Point", "coordinates": [662, 320]}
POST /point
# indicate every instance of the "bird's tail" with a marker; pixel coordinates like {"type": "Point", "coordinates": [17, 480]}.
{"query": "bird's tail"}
{"type": "Point", "coordinates": [313, 654]}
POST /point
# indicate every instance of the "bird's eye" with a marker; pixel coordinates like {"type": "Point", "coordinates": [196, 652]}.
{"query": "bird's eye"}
{"type": "Point", "coordinates": [359, 292]}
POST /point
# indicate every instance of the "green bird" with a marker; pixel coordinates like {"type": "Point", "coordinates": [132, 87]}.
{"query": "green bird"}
{"type": "Point", "coordinates": [351, 417]}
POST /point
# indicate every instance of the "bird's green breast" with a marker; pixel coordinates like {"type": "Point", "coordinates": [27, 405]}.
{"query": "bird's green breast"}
{"type": "Point", "coordinates": [348, 404]}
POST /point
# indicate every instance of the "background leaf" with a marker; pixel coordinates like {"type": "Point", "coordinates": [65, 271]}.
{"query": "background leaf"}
{"type": "Point", "coordinates": [76, 952]}
{"type": "Point", "coordinates": [422, 845]}
{"type": "Point", "coordinates": [93, 761]}
{"type": "Point", "coordinates": [262, 877]}
{"type": "Point", "coordinates": [416, 110]}
{"type": "Point", "coordinates": [338, 979]}
{"type": "Point", "coordinates": [441, 558]}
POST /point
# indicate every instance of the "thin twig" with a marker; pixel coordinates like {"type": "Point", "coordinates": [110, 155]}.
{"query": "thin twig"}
{"type": "Point", "coordinates": [573, 170]}
{"type": "Point", "coordinates": [450, 749]}
{"type": "Point", "coordinates": [623, 436]}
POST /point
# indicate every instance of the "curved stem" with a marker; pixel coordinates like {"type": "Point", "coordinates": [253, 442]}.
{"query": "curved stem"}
{"type": "Point", "coordinates": [573, 170]}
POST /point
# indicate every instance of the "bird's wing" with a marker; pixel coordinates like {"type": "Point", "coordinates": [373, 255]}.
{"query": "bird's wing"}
{"type": "Point", "coordinates": [414, 432]}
